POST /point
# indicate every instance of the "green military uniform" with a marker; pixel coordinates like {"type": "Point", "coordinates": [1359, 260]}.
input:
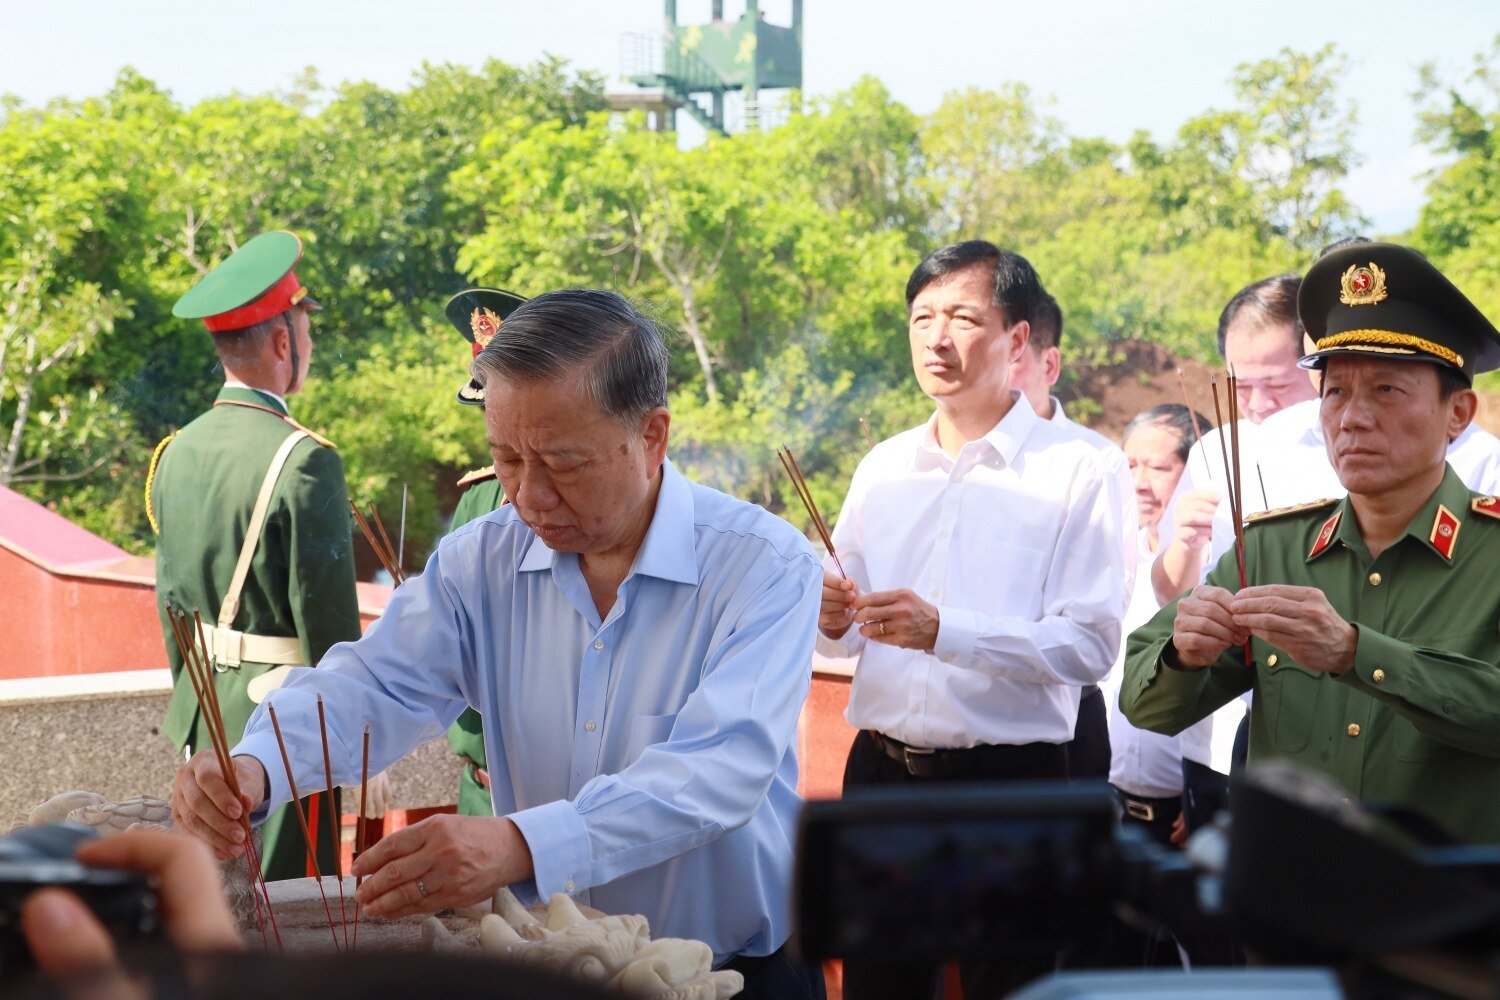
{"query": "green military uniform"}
{"type": "Point", "coordinates": [202, 490]}
{"type": "Point", "coordinates": [1415, 721]}
{"type": "Point", "coordinates": [477, 313]}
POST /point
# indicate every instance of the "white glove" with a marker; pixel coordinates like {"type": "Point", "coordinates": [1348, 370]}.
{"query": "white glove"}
{"type": "Point", "coordinates": [378, 797]}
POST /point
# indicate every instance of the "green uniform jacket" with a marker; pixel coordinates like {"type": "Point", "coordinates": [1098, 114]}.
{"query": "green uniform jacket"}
{"type": "Point", "coordinates": [301, 580]}
{"type": "Point", "coordinates": [466, 736]}
{"type": "Point", "coordinates": [1416, 721]}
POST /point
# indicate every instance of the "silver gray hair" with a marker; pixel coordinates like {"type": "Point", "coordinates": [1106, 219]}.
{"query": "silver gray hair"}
{"type": "Point", "coordinates": [588, 332]}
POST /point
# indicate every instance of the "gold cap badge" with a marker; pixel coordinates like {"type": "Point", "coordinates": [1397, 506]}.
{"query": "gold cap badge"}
{"type": "Point", "coordinates": [1362, 286]}
{"type": "Point", "coordinates": [485, 324]}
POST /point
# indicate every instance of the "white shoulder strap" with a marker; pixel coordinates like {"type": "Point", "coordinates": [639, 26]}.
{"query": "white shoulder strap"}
{"type": "Point", "coordinates": [231, 605]}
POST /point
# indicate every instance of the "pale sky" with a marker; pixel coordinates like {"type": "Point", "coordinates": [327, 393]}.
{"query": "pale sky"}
{"type": "Point", "coordinates": [1110, 66]}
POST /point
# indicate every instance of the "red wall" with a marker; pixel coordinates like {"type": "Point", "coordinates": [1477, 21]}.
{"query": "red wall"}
{"type": "Point", "coordinates": [72, 603]}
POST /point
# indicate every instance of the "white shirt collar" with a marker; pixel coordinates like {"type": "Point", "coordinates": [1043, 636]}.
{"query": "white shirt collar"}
{"type": "Point", "coordinates": [1005, 438]}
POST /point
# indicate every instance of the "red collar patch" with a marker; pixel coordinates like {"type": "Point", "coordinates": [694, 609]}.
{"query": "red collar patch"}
{"type": "Point", "coordinates": [1444, 533]}
{"type": "Point", "coordinates": [1325, 534]}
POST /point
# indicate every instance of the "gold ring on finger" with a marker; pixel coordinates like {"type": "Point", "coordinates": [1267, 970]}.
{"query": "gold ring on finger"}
{"type": "Point", "coordinates": [882, 627]}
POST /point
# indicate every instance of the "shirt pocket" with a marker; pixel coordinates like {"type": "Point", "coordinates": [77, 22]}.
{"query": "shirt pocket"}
{"type": "Point", "coordinates": [1288, 694]}
{"type": "Point", "coordinates": [646, 731]}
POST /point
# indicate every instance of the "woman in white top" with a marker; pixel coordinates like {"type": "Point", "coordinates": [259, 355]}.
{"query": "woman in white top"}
{"type": "Point", "coordinates": [1145, 767]}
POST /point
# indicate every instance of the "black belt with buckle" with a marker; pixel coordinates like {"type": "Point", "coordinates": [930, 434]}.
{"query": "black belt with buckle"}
{"type": "Point", "coordinates": [1043, 759]}
{"type": "Point", "coordinates": [1147, 809]}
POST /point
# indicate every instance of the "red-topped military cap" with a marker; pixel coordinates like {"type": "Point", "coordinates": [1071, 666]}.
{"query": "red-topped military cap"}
{"type": "Point", "coordinates": [254, 284]}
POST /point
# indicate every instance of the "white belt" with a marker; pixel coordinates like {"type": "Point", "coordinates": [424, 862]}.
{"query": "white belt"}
{"type": "Point", "coordinates": [228, 648]}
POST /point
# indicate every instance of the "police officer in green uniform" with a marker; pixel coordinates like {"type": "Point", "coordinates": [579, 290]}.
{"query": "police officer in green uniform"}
{"type": "Point", "coordinates": [1373, 621]}
{"type": "Point", "coordinates": [477, 313]}
{"type": "Point", "coordinates": [252, 517]}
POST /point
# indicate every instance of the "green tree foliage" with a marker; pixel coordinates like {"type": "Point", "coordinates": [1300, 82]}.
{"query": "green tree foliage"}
{"type": "Point", "coordinates": [777, 260]}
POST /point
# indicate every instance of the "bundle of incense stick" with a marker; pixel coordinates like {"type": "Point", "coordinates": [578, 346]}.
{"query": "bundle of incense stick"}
{"type": "Point", "coordinates": [1197, 427]}
{"type": "Point", "coordinates": [800, 484]}
{"type": "Point", "coordinates": [381, 543]}
{"type": "Point", "coordinates": [193, 649]}
{"type": "Point", "coordinates": [333, 819]}
{"type": "Point", "coordinates": [359, 829]}
{"type": "Point", "coordinates": [296, 805]}
{"type": "Point", "coordinates": [1231, 456]}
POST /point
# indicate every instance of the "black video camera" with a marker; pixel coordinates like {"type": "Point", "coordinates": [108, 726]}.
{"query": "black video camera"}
{"type": "Point", "coordinates": [939, 872]}
{"type": "Point", "coordinates": [34, 858]}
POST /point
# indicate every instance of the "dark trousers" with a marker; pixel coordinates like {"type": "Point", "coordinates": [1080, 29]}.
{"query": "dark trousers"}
{"type": "Point", "coordinates": [778, 977]}
{"type": "Point", "coordinates": [870, 765]}
{"type": "Point", "coordinates": [1088, 754]}
{"type": "Point", "coordinates": [1204, 793]}
{"type": "Point", "coordinates": [1155, 816]}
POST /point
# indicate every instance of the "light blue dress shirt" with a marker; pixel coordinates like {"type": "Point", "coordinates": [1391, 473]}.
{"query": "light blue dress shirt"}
{"type": "Point", "coordinates": [649, 758]}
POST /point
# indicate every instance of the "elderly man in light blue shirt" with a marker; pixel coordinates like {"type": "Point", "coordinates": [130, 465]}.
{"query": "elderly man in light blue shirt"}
{"type": "Point", "coordinates": [638, 645]}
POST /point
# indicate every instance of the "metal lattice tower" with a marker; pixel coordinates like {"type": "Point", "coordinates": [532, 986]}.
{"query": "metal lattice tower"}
{"type": "Point", "coordinates": [695, 65]}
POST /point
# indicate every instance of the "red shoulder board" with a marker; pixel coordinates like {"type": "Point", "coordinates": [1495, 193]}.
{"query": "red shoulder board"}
{"type": "Point", "coordinates": [1444, 533]}
{"type": "Point", "coordinates": [1325, 533]}
{"type": "Point", "coordinates": [1486, 505]}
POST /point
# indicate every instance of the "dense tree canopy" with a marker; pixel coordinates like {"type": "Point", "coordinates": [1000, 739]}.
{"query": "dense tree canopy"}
{"type": "Point", "coordinates": [776, 260]}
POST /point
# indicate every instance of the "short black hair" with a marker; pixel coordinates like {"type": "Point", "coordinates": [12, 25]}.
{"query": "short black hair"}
{"type": "Point", "coordinates": [1047, 324]}
{"type": "Point", "coordinates": [587, 331]}
{"type": "Point", "coordinates": [1272, 301]}
{"type": "Point", "coordinates": [1017, 289]}
{"type": "Point", "coordinates": [1174, 417]}
{"type": "Point", "coordinates": [244, 346]}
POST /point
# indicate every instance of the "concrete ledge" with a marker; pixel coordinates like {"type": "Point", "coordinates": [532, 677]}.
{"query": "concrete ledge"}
{"type": "Point", "coordinates": [86, 687]}
{"type": "Point", "coordinates": [101, 733]}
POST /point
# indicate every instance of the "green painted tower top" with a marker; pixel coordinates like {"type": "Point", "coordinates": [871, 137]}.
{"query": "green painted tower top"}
{"type": "Point", "coordinates": [709, 60]}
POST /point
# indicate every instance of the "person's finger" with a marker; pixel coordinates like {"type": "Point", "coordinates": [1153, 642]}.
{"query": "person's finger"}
{"type": "Point", "coordinates": [224, 836]}
{"type": "Point", "coordinates": [403, 900]}
{"type": "Point", "coordinates": [879, 599]}
{"type": "Point", "coordinates": [193, 908]}
{"type": "Point", "coordinates": [211, 784]}
{"type": "Point", "coordinates": [392, 848]}
{"type": "Point", "coordinates": [63, 936]}
{"type": "Point", "coordinates": [395, 887]}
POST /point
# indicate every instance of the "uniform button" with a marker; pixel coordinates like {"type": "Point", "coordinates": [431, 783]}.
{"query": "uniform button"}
{"type": "Point", "coordinates": [1374, 579]}
{"type": "Point", "coordinates": [589, 726]}
{"type": "Point", "coordinates": [1377, 675]}
{"type": "Point", "coordinates": [1353, 729]}
{"type": "Point", "coordinates": [1271, 660]}
{"type": "Point", "coordinates": [598, 643]}
{"type": "Point", "coordinates": [568, 886]}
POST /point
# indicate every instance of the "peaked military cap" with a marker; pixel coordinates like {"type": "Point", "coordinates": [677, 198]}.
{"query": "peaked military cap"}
{"type": "Point", "coordinates": [254, 284]}
{"type": "Point", "coordinates": [477, 314]}
{"type": "Point", "coordinates": [1388, 301]}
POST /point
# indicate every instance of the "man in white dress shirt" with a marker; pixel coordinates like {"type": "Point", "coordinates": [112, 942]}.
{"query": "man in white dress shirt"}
{"type": "Point", "coordinates": [1260, 337]}
{"type": "Point", "coordinates": [1035, 372]}
{"type": "Point", "coordinates": [986, 573]}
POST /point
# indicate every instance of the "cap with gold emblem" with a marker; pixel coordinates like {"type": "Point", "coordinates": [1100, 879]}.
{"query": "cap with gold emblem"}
{"type": "Point", "coordinates": [478, 313]}
{"type": "Point", "coordinates": [254, 284]}
{"type": "Point", "coordinates": [1388, 301]}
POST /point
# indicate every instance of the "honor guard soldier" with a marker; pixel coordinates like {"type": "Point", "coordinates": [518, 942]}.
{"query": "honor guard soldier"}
{"type": "Point", "coordinates": [1371, 620]}
{"type": "Point", "coordinates": [477, 314]}
{"type": "Point", "coordinates": [252, 518]}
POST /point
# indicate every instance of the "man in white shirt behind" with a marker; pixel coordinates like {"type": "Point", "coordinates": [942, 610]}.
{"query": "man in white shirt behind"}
{"type": "Point", "coordinates": [1034, 372]}
{"type": "Point", "coordinates": [1260, 338]}
{"type": "Point", "coordinates": [986, 572]}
